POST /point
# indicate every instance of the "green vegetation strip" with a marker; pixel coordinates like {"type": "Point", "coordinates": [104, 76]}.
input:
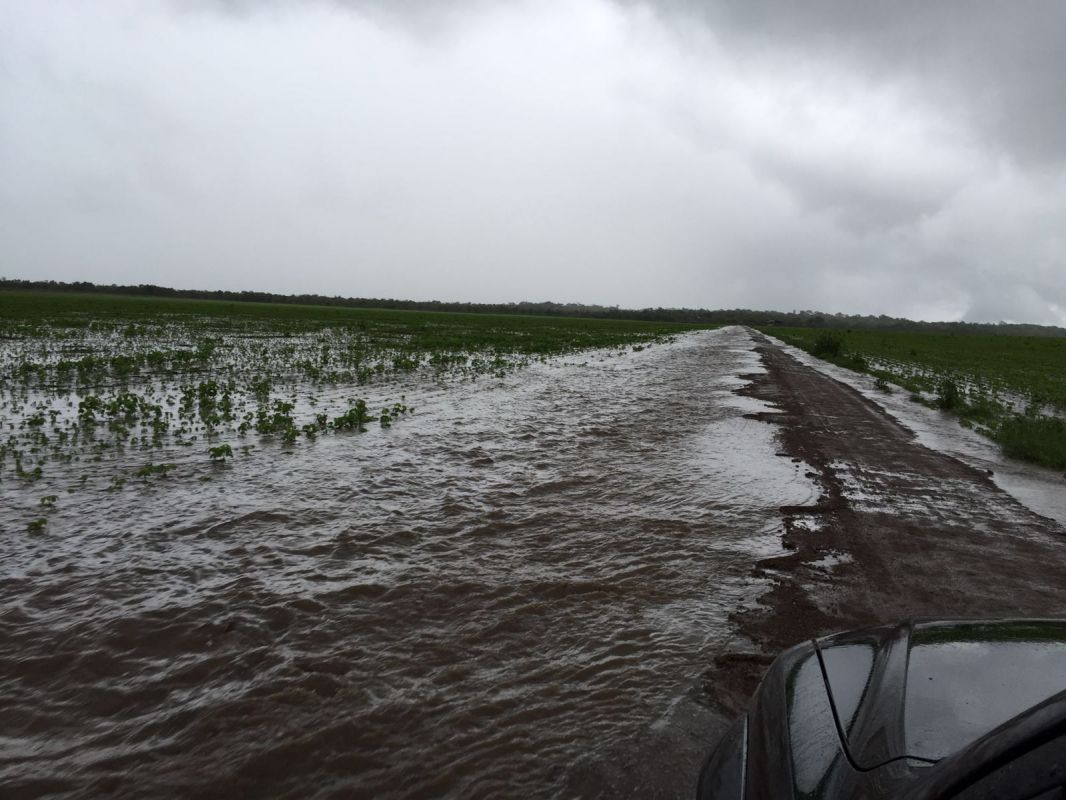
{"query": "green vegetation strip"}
{"type": "Point", "coordinates": [1010, 388]}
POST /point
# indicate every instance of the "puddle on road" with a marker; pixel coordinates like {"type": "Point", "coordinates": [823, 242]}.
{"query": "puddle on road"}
{"type": "Point", "coordinates": [832, 559]}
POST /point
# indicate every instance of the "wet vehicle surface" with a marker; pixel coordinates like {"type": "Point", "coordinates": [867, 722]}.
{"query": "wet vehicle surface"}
{"type": "Point", "coordinates": [920, 710]}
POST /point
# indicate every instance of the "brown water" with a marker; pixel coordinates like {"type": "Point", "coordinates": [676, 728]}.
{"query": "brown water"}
{"type": "Point", "coordinates": [469, 604]}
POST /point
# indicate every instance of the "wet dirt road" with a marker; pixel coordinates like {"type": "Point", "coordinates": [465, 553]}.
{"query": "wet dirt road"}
{"type": "Point", "coordinates": [561, 583]}
{"type": "Point", "coordinates": [899, 530]}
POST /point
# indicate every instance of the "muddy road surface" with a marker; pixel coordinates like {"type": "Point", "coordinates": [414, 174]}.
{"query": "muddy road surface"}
{"type": "Point", "coordinates": [898, 531]}
{"type": "Point", "coordinates": [559, 583]}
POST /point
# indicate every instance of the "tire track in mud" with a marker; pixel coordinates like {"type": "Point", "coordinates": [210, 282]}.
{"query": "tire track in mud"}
{"type": "Point", "coordinates": [899, 531]}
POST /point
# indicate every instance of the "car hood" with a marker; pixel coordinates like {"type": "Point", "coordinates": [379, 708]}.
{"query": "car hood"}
{"type": "Point", "coordinates": [924, 690]}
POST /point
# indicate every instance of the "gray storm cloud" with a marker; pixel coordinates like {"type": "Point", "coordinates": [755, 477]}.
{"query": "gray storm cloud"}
{"type": "Point", "coordinates": [765, 154]}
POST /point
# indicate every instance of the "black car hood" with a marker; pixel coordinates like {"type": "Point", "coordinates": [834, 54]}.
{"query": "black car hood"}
{"type": "Point", "coordinates": [924, 690]}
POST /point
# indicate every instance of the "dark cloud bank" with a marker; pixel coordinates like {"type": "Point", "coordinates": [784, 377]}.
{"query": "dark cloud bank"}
{"type": "Point", "coordinates": [905, 158]}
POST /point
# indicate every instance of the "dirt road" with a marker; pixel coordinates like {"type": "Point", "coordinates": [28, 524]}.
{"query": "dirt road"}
{"type": "Point", "coordinates": [899, 531]}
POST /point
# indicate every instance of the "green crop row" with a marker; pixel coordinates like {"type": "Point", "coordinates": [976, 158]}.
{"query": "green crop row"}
{"type": "Point", "coordinates": [42, 314]}
{"type": "Point", "coordinates": [1010, 388]}
{"type": "Point", "coordinates": [95, 378]}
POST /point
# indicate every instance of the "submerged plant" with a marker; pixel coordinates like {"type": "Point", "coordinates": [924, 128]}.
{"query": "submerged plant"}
{"type": "Point", "coordinates": [28, 475]}
{"type": "Point", "coordinates": [220, 453]}
{"type": "Point", "coordinates": [355, 418]}
{"type": "Point", "coordinates": [150, 469]}
{"type": "Point", "coordinates": [948, 396]}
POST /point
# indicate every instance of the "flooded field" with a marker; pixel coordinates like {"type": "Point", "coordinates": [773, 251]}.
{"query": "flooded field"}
{"type": "Point", "coordinates": [529, 568]}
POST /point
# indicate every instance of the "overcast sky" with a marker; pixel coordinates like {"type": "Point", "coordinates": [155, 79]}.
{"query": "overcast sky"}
{"type": "Point", "coordinates": [904, 157]}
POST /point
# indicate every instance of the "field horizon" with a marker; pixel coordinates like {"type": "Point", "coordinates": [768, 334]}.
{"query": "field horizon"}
{"type": "Point", "coordinates": [702, 316]}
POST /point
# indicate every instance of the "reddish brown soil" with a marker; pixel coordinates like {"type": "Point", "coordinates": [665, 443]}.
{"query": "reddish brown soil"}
{"type": "Point", "coordinates": [926, 536]}
{"type": "Point", "coordinates": [899, 531]}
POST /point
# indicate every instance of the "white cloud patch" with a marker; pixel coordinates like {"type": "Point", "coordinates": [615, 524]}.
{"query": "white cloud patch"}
{"type": "Point", "coordinates": [575, 151]}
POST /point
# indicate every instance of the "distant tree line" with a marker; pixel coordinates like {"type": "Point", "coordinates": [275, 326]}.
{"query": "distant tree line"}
{"type": "Point", "coordinates": [735, 316]}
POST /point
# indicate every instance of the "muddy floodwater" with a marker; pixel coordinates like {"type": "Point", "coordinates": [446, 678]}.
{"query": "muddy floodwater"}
{"type": "Point", "coordinates": [478, 601]}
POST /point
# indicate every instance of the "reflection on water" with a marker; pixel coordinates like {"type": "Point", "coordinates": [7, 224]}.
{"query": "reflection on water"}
{"type": "Point", "coordinates": [463, 604]}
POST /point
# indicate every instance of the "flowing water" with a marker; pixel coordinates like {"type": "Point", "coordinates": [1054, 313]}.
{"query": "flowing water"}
{"type": "Point", "coordinates": [527, 570]}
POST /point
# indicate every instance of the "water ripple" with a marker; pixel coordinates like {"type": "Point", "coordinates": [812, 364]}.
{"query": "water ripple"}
{"type": "Point", "coordinates": [462, 605]}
